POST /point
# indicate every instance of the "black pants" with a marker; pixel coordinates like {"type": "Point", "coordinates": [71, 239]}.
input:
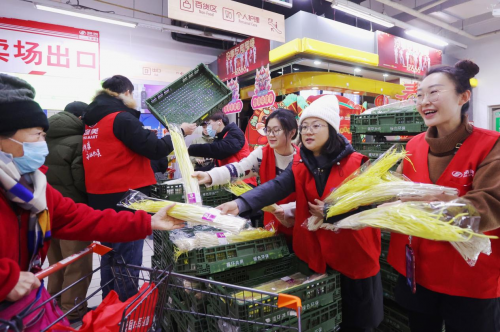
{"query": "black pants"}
{"type": "Point", "coordinates": [128, 252]}
{"type": "Point", "coordinates": [362, 304]}
{"type": "Point", "coordinates": [429, 310]}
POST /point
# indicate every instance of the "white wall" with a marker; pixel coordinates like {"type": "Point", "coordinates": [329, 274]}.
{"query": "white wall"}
{"type": "Point", "coordinates": [485, 53]}
{"type": "Point", "coordinates": [119, 46]}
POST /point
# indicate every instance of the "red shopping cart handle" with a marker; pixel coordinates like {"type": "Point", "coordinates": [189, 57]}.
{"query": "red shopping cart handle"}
{"type": "Point", "coordinates": [94, 247]}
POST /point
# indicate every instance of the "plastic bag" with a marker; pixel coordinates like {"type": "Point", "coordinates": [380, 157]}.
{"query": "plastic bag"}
{"type": "Point", "coordinates": [191, 213]}
{"type": "Point", "coordinates": [456, 221]}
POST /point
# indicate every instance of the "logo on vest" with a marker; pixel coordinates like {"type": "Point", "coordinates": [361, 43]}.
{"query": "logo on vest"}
{"type": "Point", "coordinates": [466, 174]}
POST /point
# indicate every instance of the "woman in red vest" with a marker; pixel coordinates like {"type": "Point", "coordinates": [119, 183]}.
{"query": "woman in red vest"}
{"type": "Point", "coordinates": [325, 160]}
{"type": "Point", "coordinates": [456, 154]}
{"type": "Point", "coordinates": [266, 162]}
{"type": "Point", "coordinates": [229, 145]}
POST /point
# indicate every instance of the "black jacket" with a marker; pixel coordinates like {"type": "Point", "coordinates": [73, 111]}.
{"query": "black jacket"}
{"type": "Point", "coordinates": [222, 147]}
{"type": "Point", "coordinates": [284, 184]}
{"type": "Point", "coordinates": [127, 127]}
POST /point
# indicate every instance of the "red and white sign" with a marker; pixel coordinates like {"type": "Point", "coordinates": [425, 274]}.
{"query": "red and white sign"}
{"type": "Point", "coordinates": [29, 47]}
{"type": "Point", "coordinates": [235, 105]}
{"type": "Point", "coordinates": [404, 55]}
{"type": "Point", "coordinates": [249, 55]}
{"type": "Point", "coordinates": [263, 96]}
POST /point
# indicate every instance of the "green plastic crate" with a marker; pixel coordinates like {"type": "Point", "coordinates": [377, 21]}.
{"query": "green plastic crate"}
{"type": "Point", "coordinates": [314, 294]}
{"type": "Point", "coordinates": [216, 259]}
{"type": "Point", "coordinates": [325, 319]}
{"type": "Point", "coordinates": [396, 317]}
{"type": "Point", "coordinates": [211, 196]}
{"type": "Point", "coordinates": [191, 98]}
{"type": "Point", "coordinates": [388, 123]}
{"type": "Point", "coordinates": [388, 272]}
{"type": "Point", "coordinates": [184, 320]}
{"type": "Point", "coordinates": [388, 287]}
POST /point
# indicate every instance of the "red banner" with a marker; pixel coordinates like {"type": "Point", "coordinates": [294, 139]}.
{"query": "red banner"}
{"type": "Point", "coordinates": [250, 54]}
{"type": "Point", "coordinates": [404, 55]}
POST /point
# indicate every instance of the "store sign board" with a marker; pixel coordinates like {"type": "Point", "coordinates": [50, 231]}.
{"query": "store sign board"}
{"type": "Point", "coordinates": [30, 47]}
{"type": "Point", "coordinates": [247, 56]}
{"type": "Point", "coordinates": [400, 54]}
{"type": "Point", "coordinates": [235, 105]}
{"type": "Point", "coordinates": [230, 16]}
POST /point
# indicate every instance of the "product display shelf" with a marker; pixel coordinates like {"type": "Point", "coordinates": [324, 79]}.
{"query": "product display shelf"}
{"type": "Point", "coordinates": [210, 196]}
{"type": "Point", "coordinates": [191, 98]}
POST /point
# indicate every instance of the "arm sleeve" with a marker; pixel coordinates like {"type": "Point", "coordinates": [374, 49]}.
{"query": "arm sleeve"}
{"type": "Point", "coordinates": [485, 192]}
{"type": "Point", "coordinates": [259, 197]}
{"type": "Point", "coordinates": [72, 221]}
{"type": "Point", "coordinates": [144, 142]}
{"type": "Point", "coordinates": [221, 149]}
{"type": "Point", "coordinates": [246, 168]}
{"type": "Point", "coordinates": [9, 276]}
{"type": "Point", "coordinates": [77, 171]}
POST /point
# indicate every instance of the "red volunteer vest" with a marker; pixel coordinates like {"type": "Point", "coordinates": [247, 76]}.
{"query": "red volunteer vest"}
{"type": "Point", "coordinates": [267, 172]}
{"type": "Point", "coordinates": [110, 166]}
{"type": "Point", "coordinates": [243, 153]}
{"type": "Point", "coordinates": [439, 267]}
{"type": "Point", "coordinates": [353, 253]}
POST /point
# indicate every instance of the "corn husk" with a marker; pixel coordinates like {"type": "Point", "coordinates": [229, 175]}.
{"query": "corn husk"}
{"type": "Point", "coordinates": [191, 186]}
{"type": "Point", "coordinates": [240, 187]}
{"type": "Point", "coordinates": [278, 286]}
{"type": "Point", "coordinates": [206, 239]}
{"type": "Point", "coordinates": [195, 214]}
{"type": "Point", "coordinates": [453, 221]}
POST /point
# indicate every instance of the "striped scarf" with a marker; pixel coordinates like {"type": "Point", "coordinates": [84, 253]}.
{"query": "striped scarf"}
{"type": "Point", "coordinates": [18, 192]}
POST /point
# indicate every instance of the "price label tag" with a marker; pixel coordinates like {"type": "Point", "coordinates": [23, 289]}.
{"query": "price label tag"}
{"type": "Point", "coordinates": [222, 238]}
{"type": "Point", "coordinates": [211, 215]}
{"type": "Point", "coordinates": [287, 279]}
{"type": "Point", "coordinates": [193, 198]}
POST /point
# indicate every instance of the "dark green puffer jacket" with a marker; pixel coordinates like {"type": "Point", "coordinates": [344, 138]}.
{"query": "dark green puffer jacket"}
{"type": "Point", "coordinates": [64, 161]}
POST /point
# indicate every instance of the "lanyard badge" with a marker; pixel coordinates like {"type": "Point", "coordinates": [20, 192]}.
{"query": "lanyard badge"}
{"type": "Point", "coordinates": [410, 267]}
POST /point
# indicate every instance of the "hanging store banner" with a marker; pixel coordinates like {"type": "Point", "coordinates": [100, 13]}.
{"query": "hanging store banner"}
{"type": "Point", "coordinates": [400, 54]}
{"type": "Point", "coordinates": [230, 16]}
{"type": "Point", "coordinates": [29, 47]}
{"type": "Point", "coordinates": [247, 56]}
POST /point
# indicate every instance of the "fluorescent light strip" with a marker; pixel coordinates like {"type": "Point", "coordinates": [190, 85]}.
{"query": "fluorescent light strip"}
{"type": "Point", "coordinates": [426, 37]}
{"type": "Point", "coordinates": [89, 17]}
{"type": "Point", "coordinates": [362, 15]}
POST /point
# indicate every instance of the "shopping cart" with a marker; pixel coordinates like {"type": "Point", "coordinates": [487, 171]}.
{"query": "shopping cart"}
{"type": "Point", "coordinates": [166, 300]}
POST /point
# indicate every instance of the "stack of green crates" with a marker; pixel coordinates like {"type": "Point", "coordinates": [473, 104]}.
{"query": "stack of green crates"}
{"type": "Point", "coordinates": [210, 196]}
{"type": "Point", "coordinates": [221, 262]}
{"type": "Point", "coordinates": [379, 126]}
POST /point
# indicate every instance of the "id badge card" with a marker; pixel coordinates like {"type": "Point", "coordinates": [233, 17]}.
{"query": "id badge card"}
{"type": "Point", "coordinates": [410, 269]}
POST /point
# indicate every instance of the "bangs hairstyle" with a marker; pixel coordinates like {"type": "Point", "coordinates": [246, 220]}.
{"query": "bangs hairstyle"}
{"type": "Point", "coordinates": [333, 145]}
{"type": "Point", "coordinates": [460, 75]}
{"type": "Point", "coordinates": [118, 84]}
{"type": "Point", "coordinates": [219, 116]}
{"type": "Point", "coordinates": [287, 120]}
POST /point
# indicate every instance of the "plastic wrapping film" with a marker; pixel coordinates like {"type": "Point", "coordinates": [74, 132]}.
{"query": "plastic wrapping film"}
{"type": "Point", "coordinates": [191, 213]}
{"type": "Point", "coordinates": [456, 221]}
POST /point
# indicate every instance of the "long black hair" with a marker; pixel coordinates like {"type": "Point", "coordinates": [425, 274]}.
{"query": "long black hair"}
{"type": "Point", "coordinates": [460, 75]}
{"type": "Point", "coordinates": [287, 120]}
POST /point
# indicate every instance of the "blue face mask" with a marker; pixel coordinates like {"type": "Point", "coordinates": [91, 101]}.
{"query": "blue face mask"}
{"type": "Point", "coordinates": [34, 156]}
{"type": "Point", "coordinates": [210, 131]}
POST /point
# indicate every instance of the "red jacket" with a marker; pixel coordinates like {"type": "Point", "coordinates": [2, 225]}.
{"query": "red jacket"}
{"type": "Point", "coordinates": [438, 266]}
{"type": "Point", "coordinates": [69, 221]}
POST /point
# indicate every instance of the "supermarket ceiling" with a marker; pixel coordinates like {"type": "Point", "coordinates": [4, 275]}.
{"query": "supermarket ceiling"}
{"type": "Point", "coordinates": [462, 20]}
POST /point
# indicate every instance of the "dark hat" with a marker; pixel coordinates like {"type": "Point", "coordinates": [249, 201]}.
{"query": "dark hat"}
{"type": "Point", "coordinates": [18, 110]}
{"type": "Point", "coordinates": [77, 108]}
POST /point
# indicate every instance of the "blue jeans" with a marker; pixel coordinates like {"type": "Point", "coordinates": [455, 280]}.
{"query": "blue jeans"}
{"type": "Point", "coordinates": [126, 282]}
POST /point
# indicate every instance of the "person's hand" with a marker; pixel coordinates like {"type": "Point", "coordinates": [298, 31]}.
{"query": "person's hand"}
{"type": "Point", "coordinates": [279, 213]}
{"type": "Point", "coordinates": [229, 208]}
{"type": "Point", "coordinates": [27, 282]}
{"type": "Point", "coordinates": [316, 210]}
{"type": "Point", "coordinates": [188, 128]}
{"type": "Point", "coordinates": [200, 161]}
{"type": "Point", "coordinates": [160, 221]}
{"type": "Point", "coordinates": [429, 198]}
{"type": "Point", "coordinates": [203, 177]}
